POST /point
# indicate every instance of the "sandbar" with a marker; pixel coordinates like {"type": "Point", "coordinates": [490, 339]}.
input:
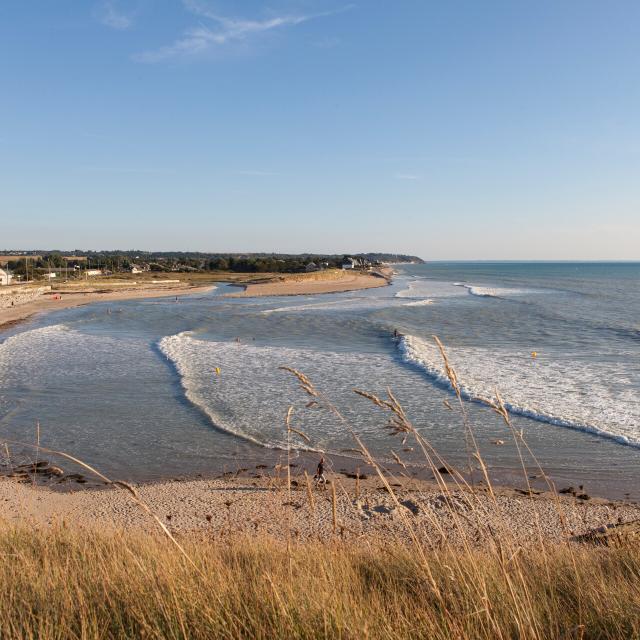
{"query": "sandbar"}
{"type": "Point", "coordinates": [330, 281]}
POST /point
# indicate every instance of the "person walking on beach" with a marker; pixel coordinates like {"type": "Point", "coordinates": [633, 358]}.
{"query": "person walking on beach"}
{"type": "Point", "coordinates": [320, 478]}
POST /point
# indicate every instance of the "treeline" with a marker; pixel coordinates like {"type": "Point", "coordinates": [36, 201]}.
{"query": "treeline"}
{"type": "Point", "coordinates": [119, 261]}
{"type": "Point", "coordinates": [240, 261]}
{"type": "Point", "coordinates": [265, 264]}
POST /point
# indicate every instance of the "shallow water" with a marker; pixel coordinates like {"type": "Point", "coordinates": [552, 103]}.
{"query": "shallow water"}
{"type": "Point", "coordinates": [132, 386]}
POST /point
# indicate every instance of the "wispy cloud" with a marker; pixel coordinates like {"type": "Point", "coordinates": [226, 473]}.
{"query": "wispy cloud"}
{"type": "Point", "coordinates": [200, 39]}
{"type": "Point", "coordinates": [112, 17]}
{"type": "Point", "coordinates": [407, 176]}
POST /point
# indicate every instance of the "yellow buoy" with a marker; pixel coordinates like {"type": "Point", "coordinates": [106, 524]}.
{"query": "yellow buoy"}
{"type": "Point", "coordinates": [534, 354]}
{"type": "Point", "coordinates": [217, 370]}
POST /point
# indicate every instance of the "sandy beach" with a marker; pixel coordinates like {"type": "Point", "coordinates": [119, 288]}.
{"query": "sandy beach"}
{"type": "Point", "coordinates": [332, 281]}
{"type": "Point", "coordinates": [53, 301]}
{"type": "Point", "coordinates": [262, 505]}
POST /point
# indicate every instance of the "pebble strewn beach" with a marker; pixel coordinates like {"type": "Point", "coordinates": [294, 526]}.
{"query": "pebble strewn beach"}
{"type": "Point", "coordinates": [263, 506]}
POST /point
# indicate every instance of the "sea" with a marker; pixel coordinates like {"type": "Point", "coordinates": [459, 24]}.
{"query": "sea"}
{"type": "Point", "coordinates": [157, 389]}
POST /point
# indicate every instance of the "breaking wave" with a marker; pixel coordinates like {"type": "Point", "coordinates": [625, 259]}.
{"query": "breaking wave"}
{"type": "Point", "coordinates": [489, 292]}
{"type": "Point", "coordinates": [567, 393]}
{"type": "Point", "coordinates": [251, 393]}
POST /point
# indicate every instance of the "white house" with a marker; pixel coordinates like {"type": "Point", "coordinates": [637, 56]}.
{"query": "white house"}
{"type": "Point", "coordinates": [93, 272]}
{"type": "Point", "coordinates": [350, 263]}
{"type": "Point", "coordinates": [5, 277]}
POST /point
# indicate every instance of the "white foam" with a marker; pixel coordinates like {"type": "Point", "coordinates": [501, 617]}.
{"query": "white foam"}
{"type": "Point", "coordinates": [422, 289]}
{"type": "Point", "coordinates": [572, 392]}
{"type": "Point", "coordinates": [487, 292]}
{"type": "Point", "coordinates": [418, 303]}
{"type": "Point", "coordinates": [24, 336]}
{"type": "Point", "coordinates": [406, 293]}
{"type": "Point", "coordinates": [39, 352]}
{"type": "Point", "coordinates": [196, 362]}
{"type": "Point", "coordinates": [490, 292]}
{"type": "Point", "coordinates": [21, 357]}
{"type": "Point", "coordinates": [251, 395]}
{"type": "Point", "coordinates": [19, 352]}
{"type": "Point", "coordinates": [38, 364]}
{"type": "Point", "coordinates": [307, 307]}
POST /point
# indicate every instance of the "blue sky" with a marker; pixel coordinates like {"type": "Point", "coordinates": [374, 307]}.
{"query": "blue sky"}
{"type": "Point", "coordinates": [452, 130]}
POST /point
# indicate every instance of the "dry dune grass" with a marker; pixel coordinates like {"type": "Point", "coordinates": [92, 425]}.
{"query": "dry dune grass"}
{"type": "Point", "coordinates": [63, 583]}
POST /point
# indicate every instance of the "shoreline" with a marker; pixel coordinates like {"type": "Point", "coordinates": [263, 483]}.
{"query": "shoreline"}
{"type": "Point", "coordinates": [260, 462]}
{"type": "Point", "coordinates": [13, 316]}
{"type": "Point", "coordinates": [260, 505]}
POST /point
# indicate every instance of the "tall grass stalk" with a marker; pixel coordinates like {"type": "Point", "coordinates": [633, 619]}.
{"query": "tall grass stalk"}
{"type": "Point", "coordinates": [60, 583]}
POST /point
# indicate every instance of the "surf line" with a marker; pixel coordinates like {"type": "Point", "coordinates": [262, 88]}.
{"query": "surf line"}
{"type": "Point", "coordinates": [434, 373]}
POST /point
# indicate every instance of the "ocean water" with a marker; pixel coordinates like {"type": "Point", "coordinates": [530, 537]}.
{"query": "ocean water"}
{"type": "Point", "coordinates": [132, 386]}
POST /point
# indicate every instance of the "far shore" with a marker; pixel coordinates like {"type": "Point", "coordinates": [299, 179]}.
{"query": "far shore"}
{"type": "Point", "coordinates": [54, 300]}
{"type": "Point", "coordinates": [330, 281]}
{"type": "Point", "coordinates": [77, 294]}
